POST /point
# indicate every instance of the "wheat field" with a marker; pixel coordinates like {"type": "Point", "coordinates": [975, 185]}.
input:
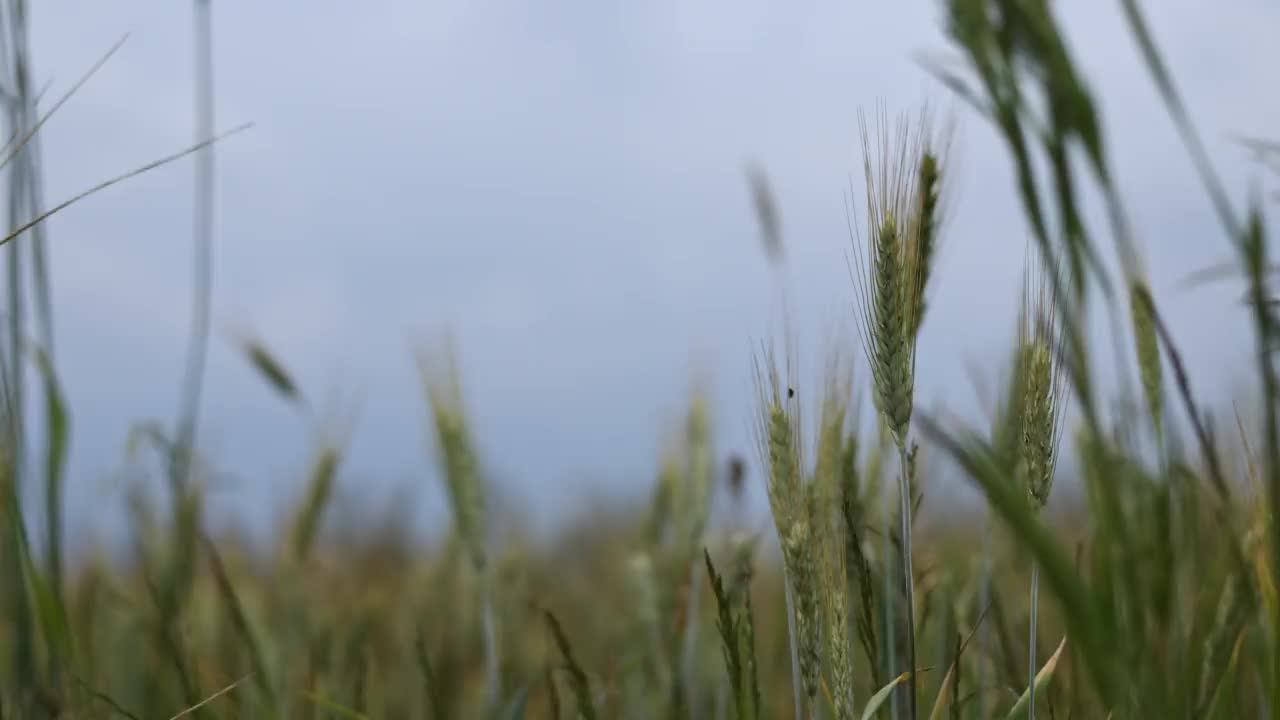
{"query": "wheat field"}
{"type": "Point", "coordinates": [1151, 596]}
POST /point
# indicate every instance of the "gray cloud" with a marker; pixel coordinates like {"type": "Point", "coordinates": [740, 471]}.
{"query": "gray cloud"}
{"type": "Point", "coordinates": [560, 185]}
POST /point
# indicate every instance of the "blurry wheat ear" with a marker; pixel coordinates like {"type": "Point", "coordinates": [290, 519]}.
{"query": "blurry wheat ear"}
{"type": "Point", "coordinates": [831, 435]}
{"type": "Point", "coordinates": [642, 583]}
{"type": "Point", "coordinates": [921, 256]}
{"type": "Point", "coordinates": [1008, 426]}
{"type": "Point", "coordinates": [699, 470]}
{"type": "Point", "coordinates": [319, 489]}
{"type": "Point", "coordinates": [766, 207]}
{"type": "Point", "coordinates": [1148, 351]}
{"type": "Point", "coordinates": [695, 507]}
{"type": "Point", "coordinates": [1034, 462]}
{"type": "Point", "coordinates": [783, 469]}
{"type": "Point", "coordinates": [461, 470]}
{"type": "Point", "coordinates": [465, 492]}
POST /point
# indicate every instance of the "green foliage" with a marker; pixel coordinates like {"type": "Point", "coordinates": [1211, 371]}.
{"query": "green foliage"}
{"type": "Point", "coordinates": [735, 625]}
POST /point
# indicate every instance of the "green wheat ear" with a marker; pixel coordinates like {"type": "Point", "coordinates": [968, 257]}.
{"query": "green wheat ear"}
{"type": "Point", "coordinates": [456, 450]}
{"type": "Point", "coordinates": [889, 344]}
{"type": "Point", "coordinates": [825, 493]}
{"type": "Point", "coordinates": [696, 504]}
{"type": "Point", "coordinates": [831, 435]}
{"type": "Point", "coordinates": [1039, 390]}
{"type": "Point", "coordinates": [1148, 351]}
{"type": "Point", "coordinates": [1007, 430]}
{"type": "Point", "coordinates": [778, 442]}
{"type": "Point", "coordinates": [777, 438]}
{"type": "Point", "coordinates": [319, 490]}
{"type": "Point", "coordinates": [798, 553]}
{"type": "Point", "coordinates": [1038, 429]}
{"type": "Point", "coordinates": [836, 606]}
{"type": "Point", "coordinates": [904, 187]}
{"type": "Point", "coordinates": [920, 259]}
{"type": "Point", "coordinates": [461, 475]}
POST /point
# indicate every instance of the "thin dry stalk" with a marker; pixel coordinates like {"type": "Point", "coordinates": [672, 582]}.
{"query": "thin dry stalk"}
{"type": "Point", "coordinates": [211, 698]}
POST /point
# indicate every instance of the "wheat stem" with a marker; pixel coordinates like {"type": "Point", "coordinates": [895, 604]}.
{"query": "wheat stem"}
{"type": "Point", "coordinates": [1031, 642]}
{"type": "Point", "coordinates": [791, 641]}
{"type": "Point", "coordinates": [890, 622]}
{"type": "Point", "coordinates": [691, 643]}
{"type": "Point", "coordinates": [985, 601]}
{"type": "Point", "coordinates": [489, 622]}
{"type": "Point", "coordinates": [908, 582]}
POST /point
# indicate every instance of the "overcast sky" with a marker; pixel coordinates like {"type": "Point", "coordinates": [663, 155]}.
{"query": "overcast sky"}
{"type": "Point", "coordinates": [559, 185]}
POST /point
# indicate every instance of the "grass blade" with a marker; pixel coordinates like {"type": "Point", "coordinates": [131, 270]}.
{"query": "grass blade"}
{"type": "Point", "coordinates": [577, 678]}
{"type": "Point", "coordinates": [1009, 502]}
{"type": "Point", "coordinates": [881, 695]}
{"type": "Point", "coordinates": [210, 699]}
{"type": "Point", "coordinates": [728, 626]}
{"type": "Point", "coordinates": [240, 623]}
{"type": "Point", "coordinates": [41, 217]}
{"type": "Point", "coordinates": [1021, 708]}
{"type": "Point", "coordinates": [950, 680]}
{"type": "Point", "coordinates": [16, 145]}
{"type": "Point", "coordinates": [319, 490]}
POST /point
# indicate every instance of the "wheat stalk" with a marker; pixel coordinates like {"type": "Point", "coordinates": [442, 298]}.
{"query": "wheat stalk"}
{"type": "Point", "coordinates": [1041, 390]}
{"type": "Point", "coordinates": [778, 441]}
{"type": "Point", "coordinates": [903, 190]}
{"type": "Point", "coordinates": [461, 470]}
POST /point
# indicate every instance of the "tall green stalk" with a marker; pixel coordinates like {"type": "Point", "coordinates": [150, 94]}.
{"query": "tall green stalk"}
{"type": "Point", "coordinates": [21, 196]}
{"type": "Point", "coordinates": [202, 256]}
{"type": "Point", "coordinates": [908, 581]}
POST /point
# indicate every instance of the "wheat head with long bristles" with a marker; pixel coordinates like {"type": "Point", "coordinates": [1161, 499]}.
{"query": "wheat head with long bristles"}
{"type": "Point", "coordinates": [1041, 385]}
{"type": "Point", "coordinates": [903, 184]}
{"type": "Point", "coordinates": [903, 174]}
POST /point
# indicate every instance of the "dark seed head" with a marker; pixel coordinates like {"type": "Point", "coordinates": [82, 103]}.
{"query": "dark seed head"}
{"type": "Point", "coordinates": [737, 474]}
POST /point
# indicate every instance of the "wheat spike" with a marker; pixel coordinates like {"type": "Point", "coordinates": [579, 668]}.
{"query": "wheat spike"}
{"type": "Point", "coordinates": [1148, 350]}
{"type": "Point", "coordinates": [920, 258]}
{"type": "Point", "coordinates": [1041, 385]}
{"type": "Point", "coordinates": [798, 553]}
{"type": "Point", "coordinates": [835, 594]}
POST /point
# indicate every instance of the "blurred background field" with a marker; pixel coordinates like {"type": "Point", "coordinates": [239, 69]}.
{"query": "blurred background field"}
{"type": "Point", "coordinates": [569, 362]}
